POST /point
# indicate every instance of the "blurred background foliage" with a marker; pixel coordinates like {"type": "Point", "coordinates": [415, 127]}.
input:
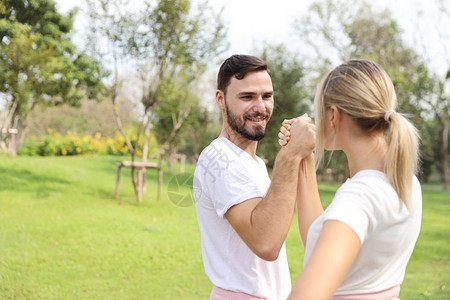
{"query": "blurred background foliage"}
{"type": "Point", "coordinates": [141, 81]}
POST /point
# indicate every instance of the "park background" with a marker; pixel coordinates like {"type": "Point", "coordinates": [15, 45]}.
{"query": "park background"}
{"type": "Point", "coordinates": [85, 85]}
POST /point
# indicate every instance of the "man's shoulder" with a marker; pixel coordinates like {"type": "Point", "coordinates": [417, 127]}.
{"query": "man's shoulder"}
{"type": "Point", "coordinates": [222, 159]}
{"type": "Point", "coordinates": [221, 149]}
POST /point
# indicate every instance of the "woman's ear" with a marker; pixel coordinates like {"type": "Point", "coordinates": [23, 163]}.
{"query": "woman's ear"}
{"type": "Point", "coordinates": [333, 116]}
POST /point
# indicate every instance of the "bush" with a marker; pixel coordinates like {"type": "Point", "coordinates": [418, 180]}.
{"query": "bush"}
{"type": "Point", "coordinates": [56, 144]}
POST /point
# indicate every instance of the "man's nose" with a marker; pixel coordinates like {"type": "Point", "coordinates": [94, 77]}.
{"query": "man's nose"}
{"type": "Point", "coordinates": [259, 105]}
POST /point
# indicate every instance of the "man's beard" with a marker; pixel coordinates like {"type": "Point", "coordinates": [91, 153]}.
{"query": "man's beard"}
{"type": "Point", "coordinates": [238, 124]}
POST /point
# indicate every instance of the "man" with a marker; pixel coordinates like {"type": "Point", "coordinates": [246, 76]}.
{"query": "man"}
{"type": "Point", "coordinates": [243, 216]}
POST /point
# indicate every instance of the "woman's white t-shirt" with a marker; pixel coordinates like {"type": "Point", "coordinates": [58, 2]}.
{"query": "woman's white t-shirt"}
{"type": "Point", "coordinates": [388, 231]}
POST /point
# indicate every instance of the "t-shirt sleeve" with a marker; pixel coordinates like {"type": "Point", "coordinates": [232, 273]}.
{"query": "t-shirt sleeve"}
{"type": "Point", "coordinates": [354, 206]}
{"type": "Point", "coordinates": [230, 186]}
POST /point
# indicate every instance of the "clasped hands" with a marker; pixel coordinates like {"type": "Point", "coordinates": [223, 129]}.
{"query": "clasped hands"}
{"type": "Point", "coordinates": [299, 134]}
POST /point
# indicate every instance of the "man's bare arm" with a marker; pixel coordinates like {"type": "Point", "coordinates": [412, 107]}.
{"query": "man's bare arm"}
{"type": "Point", "coordinates": [263, 223]}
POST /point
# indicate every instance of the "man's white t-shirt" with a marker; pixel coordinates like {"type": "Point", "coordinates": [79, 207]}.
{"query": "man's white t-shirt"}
{"type": "Point", "coordinates": [369, 205]}
{"type": "Point", "coordinates": [226, 175]}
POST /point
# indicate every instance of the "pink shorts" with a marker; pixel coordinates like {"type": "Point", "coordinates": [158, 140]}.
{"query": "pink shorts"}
{"type": "Point", "coordinates": [220, 294]}
{"type": "Point", "coordinates": [389, 294]}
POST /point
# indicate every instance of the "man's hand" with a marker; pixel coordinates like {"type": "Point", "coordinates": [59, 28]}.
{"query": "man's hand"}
{"type": "Point", "coordinates": [298, 135]}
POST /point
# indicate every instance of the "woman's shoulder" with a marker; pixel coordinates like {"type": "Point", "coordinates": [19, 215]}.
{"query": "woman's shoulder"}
{"type": "Point", "coordinates": [366, 182]}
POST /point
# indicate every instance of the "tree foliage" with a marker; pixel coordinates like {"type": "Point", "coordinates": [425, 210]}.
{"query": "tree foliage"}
{"type": "Point", "coordinates": [291, 97]}
{"type": "Point", "coordinates": [175, 40]}
{"type": "Point", "coordinates": [38, 62]}
{"type": "Point", "coordinates": [89, 118]}
{"type": "Point", "coordinates": [174, 107]}
{"type": "Point", "coordinates": [201, 127]}
{"type": "Point", "coordinates": [180, 108]}
{"type": "Point", "coordinates": [357, 30]}
{"type": "Point", "coordinates": [168, 44]}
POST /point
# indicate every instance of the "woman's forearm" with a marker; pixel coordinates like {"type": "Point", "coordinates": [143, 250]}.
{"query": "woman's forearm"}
{"type": "Point", "coordinates": [309, 206]}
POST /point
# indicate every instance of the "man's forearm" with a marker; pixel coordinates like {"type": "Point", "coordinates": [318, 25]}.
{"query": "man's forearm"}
{"type": "Point", "coordinates": [272, 217]}
{"type": "Point", "coordinates": [263, 223]}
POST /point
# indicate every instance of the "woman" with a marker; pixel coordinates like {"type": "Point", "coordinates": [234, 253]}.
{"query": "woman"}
{"type": "Point", "coordinates": [358, 248]}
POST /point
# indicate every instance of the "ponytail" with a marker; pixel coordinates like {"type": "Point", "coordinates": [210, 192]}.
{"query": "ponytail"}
{"type": "Point", "coordinates": [402, 155]}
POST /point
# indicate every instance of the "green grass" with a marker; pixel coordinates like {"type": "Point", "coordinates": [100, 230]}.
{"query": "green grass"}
{"type": "Point", "coordinates": [64, 236]}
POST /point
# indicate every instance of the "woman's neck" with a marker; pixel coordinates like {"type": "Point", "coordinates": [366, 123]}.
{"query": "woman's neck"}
{"type": "Point", "coordinates": [366, 152]}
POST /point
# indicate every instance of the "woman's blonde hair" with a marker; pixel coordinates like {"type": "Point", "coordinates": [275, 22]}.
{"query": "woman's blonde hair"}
{"type": "Point", "coordinates": [364, 91]}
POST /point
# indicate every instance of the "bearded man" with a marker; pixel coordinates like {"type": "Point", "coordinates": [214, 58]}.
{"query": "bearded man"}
{"type": "Point", "coordinates": [243, 215]}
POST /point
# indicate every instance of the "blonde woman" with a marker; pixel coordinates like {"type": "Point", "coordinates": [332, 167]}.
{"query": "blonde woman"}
{"type": "Point", "coordinates": [358, 248]}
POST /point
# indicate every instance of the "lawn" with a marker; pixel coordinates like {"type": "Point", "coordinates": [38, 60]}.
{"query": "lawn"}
{"type": "Point", "coordinates": [63, 235]}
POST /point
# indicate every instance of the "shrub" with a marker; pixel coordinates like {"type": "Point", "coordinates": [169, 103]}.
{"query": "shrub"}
{"type": "Point", "coordinates": [55, 144]}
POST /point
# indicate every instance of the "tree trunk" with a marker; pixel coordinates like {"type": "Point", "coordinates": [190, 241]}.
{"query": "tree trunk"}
{"type": "Point", "coordinates": [146, 140]}
{"type": "Point", "coordinates": [443, 141]}
{"type": "Point", "coordinates": [4, 136]}
{"type": "Point", "coordinates": [120, 127]}
{"type": "Point", "coordinates": [6, 126]}
{"type": "Point", "coordinates": [22, 128]}
{"type": "Point", "coordinates": [145, 154]}
{"type": "Point", "coordinates": [171, 158]}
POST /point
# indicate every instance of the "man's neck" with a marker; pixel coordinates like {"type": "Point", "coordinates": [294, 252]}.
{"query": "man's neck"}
{"type": "Point", "coordinates": [245, 144]}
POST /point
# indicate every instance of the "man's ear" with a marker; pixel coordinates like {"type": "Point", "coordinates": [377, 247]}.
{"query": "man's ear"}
{"type": "Point", "coordinates": [220, 99]}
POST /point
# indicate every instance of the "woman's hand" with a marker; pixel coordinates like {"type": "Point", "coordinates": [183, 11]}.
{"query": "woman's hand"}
{"type": "Point", "coordinates": [285, 134]}
{"type": "Point", "coordinates": [285, 130]}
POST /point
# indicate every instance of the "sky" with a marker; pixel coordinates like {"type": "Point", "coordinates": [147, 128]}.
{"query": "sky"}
{"type": "Point", "coordinates": [251, 23]}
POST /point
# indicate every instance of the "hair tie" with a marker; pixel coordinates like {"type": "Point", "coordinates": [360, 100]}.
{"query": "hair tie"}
{"type": "Point", "coordinates": [388, 114]}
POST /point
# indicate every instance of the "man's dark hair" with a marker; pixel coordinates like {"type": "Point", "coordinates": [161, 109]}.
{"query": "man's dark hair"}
{"type": "Point", "coordinates": [238, 66]}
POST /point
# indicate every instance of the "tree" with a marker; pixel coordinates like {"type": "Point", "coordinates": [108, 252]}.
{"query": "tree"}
{"type": "Point", "coordinates": [90, 118]}
{"type": "Point", "coordinates": [106, 40]}
{"type": "Point", "coordinates": [176, 101]}
{"type": "Point", "coordinates": [439, 108]}
{"type": "Point", "coordinates": [290, 96]}
{"type": "Point", "coordinates": [175, 41]}
{"type": "Point", "coordinates": [200, 128]}
{"type": "Point", "coordinates": [38, 62]}
{"type": "Point", "coordinates": [168, 44]}
{"type": "Point", "coordinates": [197, 129]}
{"type": "Point", "coordinates": [356, 30]}
{"type": "Point", "coordinates": [444, 137]}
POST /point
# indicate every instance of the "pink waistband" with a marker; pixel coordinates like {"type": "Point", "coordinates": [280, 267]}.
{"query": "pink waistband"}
{"type": "Point", "coordinates": [218, 293]}
{"type": "Point", "coordinates": [389, 294]}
